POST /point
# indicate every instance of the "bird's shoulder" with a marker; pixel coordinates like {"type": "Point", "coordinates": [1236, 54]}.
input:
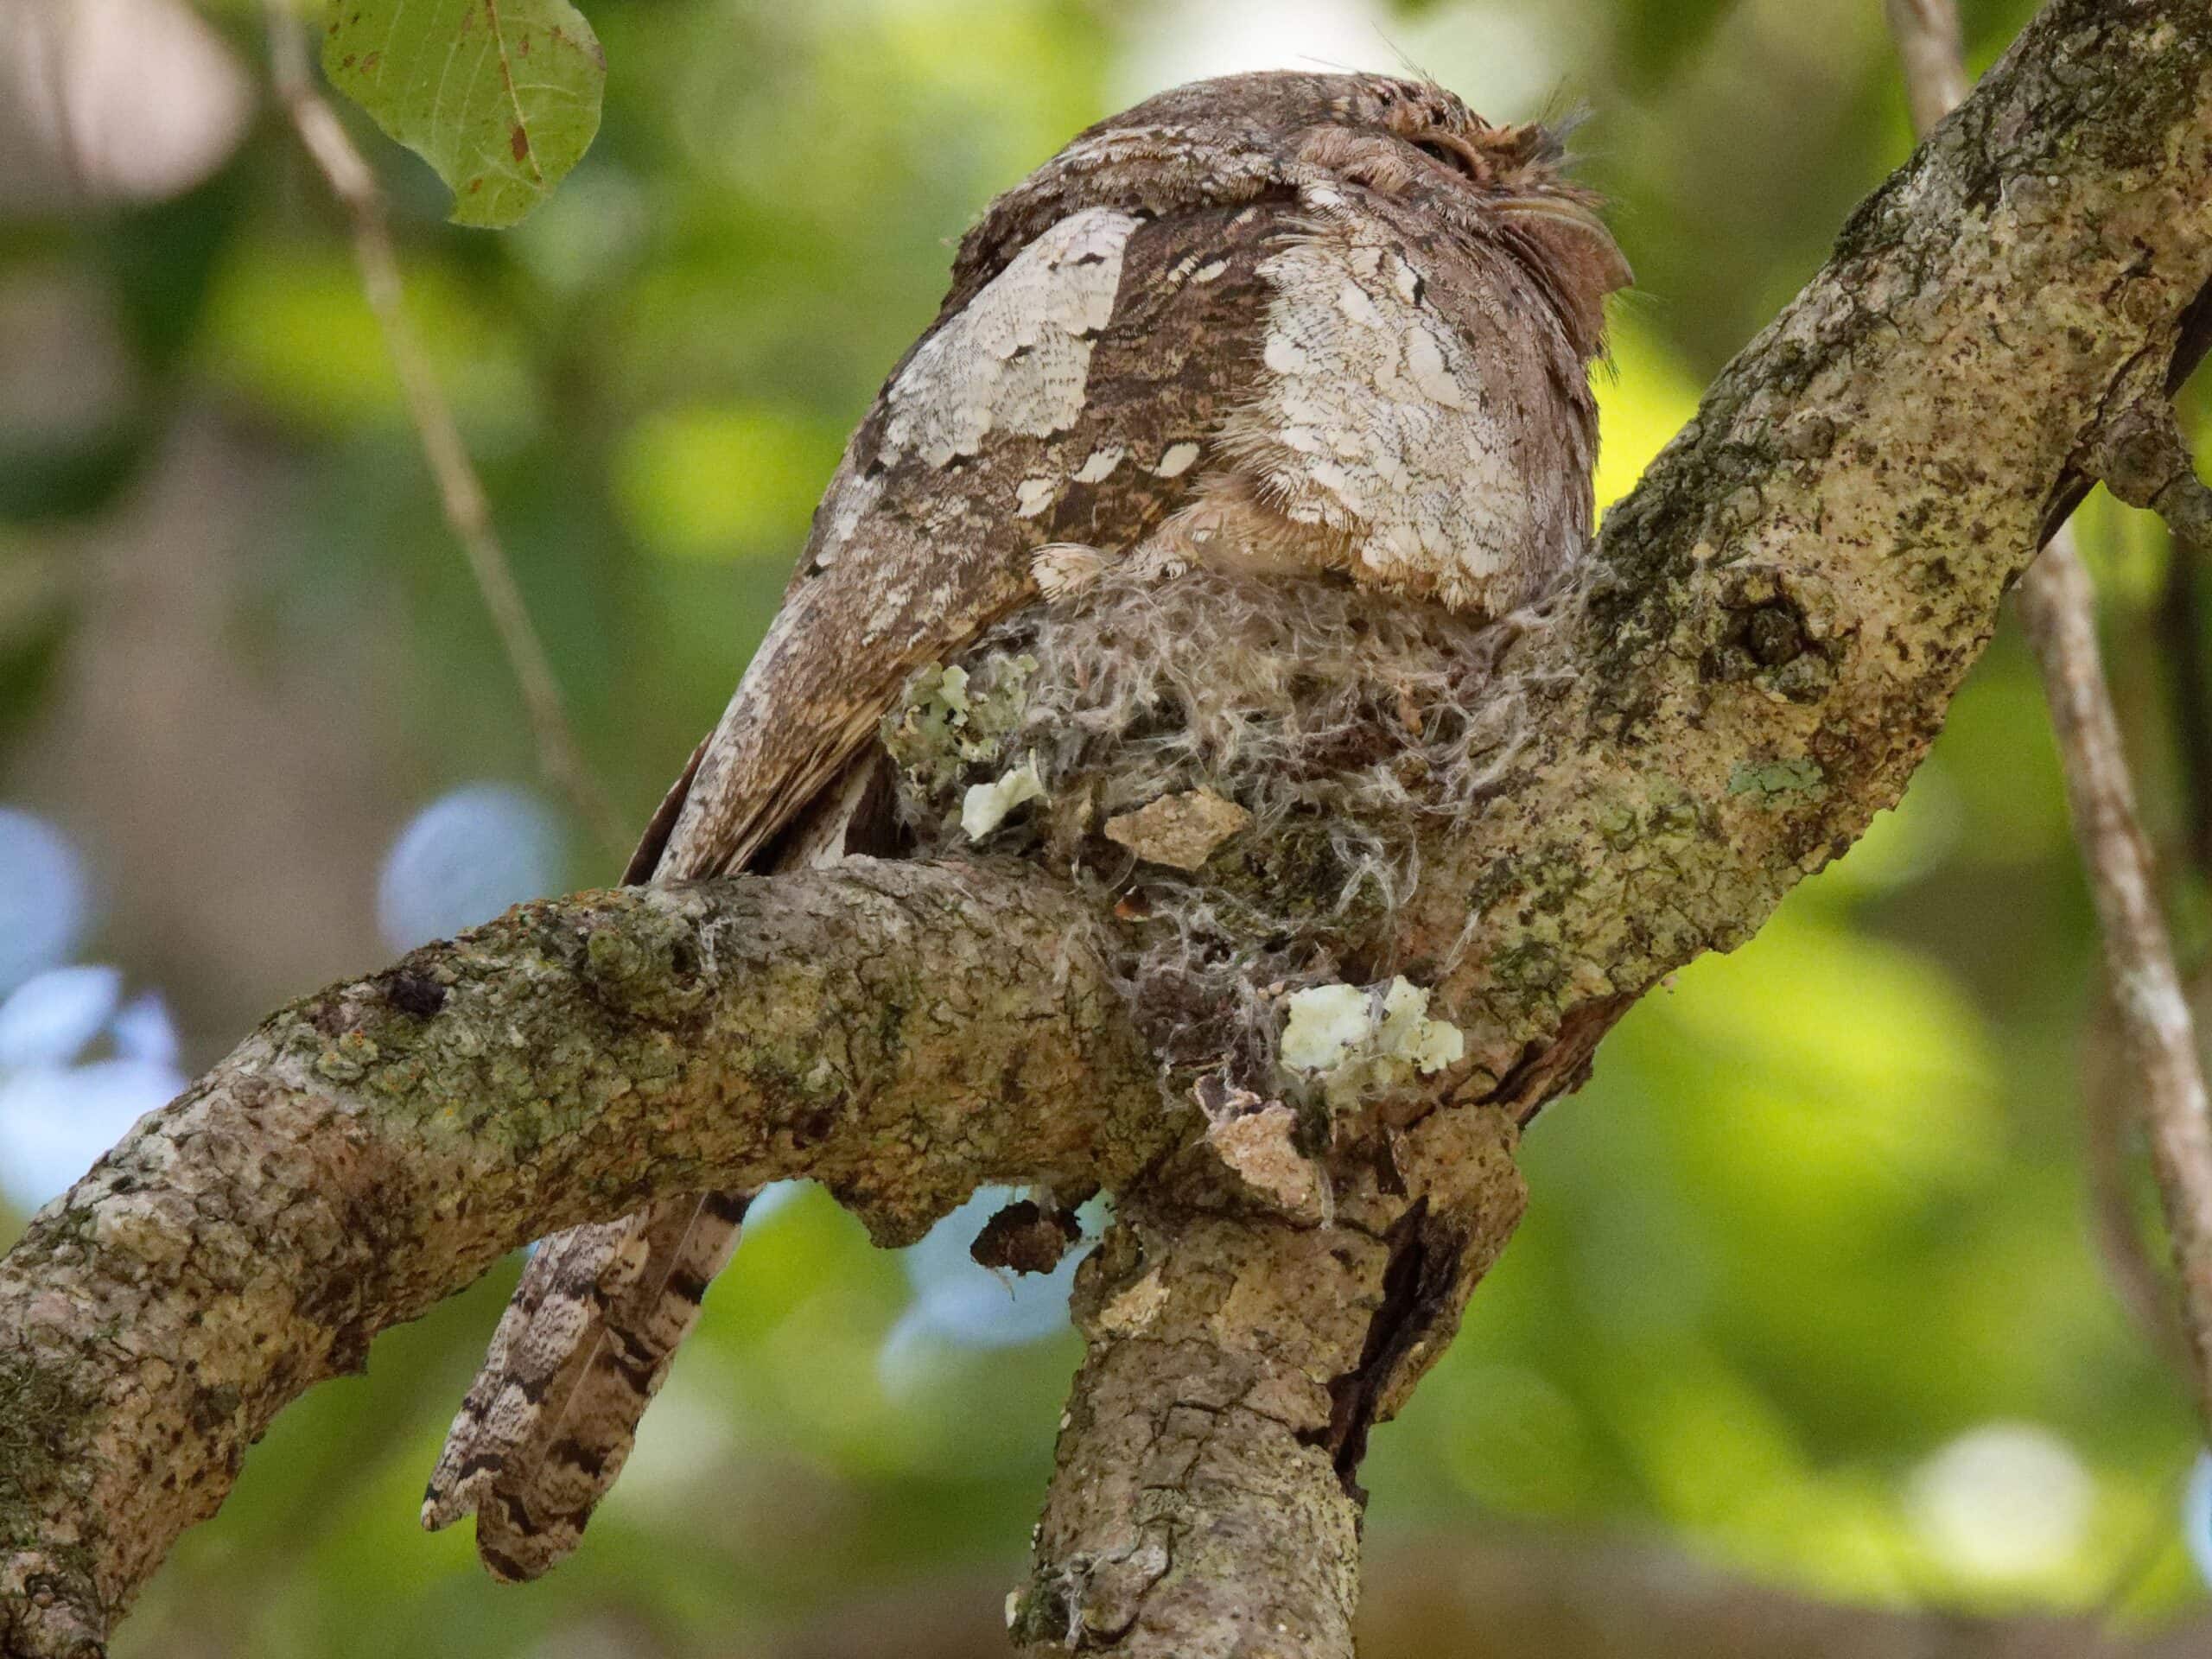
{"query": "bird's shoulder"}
{"type": "Point", "coordinates": [1075, 396]}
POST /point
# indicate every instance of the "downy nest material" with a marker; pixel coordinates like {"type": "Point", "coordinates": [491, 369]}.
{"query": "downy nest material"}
{"type": "Point", "coordinates": [1245, 769]}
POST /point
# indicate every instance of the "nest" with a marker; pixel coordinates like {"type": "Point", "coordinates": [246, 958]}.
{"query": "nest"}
{"type": "Point", "coordinates": [1244, 770]}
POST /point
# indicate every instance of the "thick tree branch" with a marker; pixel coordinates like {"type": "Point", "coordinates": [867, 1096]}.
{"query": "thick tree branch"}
{"type": "Point", "coordinates": [901, 1032]}
{"type": "Point", "coordinates": [1783, 611]}
{"type": "Point", "coordinates": [1203, 1501]}
{"type": "Point", "coordinates": [1778, 620]}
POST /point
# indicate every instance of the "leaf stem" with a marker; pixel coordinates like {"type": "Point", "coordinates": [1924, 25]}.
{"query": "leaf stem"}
{"type": "Point", "coordinates": [460, 492]}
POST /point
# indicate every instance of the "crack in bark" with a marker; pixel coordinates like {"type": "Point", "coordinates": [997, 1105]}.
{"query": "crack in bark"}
{"type": "Point", "coordinates": [1411, 1294]}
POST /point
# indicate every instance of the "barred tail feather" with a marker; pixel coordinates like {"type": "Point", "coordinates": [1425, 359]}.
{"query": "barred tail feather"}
{"type": "Point", "coordinates": [574, 1271]}
{"type": "Point", "coordinates": [590, 1331]}
{"type": "Point", "coordinates": [578, 1355]}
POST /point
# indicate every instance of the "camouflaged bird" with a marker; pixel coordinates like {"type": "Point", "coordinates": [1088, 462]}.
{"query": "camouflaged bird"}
{"type": "Point", "coordinates": [1291, 322]}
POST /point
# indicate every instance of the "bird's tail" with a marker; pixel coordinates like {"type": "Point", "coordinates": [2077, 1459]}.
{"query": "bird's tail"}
{"type": "Point", "coordinates": [578, 1355]}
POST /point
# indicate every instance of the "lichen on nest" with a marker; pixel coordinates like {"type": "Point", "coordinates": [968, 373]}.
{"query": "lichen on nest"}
{"type": "Point", "coordinates": [1288, 743]}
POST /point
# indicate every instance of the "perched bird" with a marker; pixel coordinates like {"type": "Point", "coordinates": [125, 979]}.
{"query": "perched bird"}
{"type": "Point", "coordinates": [1286, 322]}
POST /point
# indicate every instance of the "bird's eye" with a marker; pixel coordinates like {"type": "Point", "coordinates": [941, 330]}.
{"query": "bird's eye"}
{"type": "Point", "coordinates": [1451, 155]}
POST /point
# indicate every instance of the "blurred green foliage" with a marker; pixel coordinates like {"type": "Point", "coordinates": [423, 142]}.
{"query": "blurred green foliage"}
{"type": "Point", "coordinates": [1821, 1212]}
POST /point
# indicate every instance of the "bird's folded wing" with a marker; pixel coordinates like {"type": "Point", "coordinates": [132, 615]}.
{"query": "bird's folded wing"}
{"type": "Point", "coordinates": [1073, 398]}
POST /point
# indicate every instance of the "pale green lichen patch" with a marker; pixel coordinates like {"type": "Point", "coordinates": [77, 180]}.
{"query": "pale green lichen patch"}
{"type": "Point", "coordinates": [954, 719]}
{"type": "Point", "coordinates": [36, 1411]}
{"type": "Point", "coordinates": [1408, 1036]}
{"type": "Point", "coordinates": [1326, 1022]}
{"type": "Point", "coordinates": [1355, 1042]}
{"type": "Point", "coordinates": [984, 806]}
{"type": "Point", "coordinates": [43, 1474]}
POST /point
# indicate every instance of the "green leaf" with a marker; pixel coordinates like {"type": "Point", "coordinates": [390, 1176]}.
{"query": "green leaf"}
{"type": "Point", "coordinates": [500, 96]}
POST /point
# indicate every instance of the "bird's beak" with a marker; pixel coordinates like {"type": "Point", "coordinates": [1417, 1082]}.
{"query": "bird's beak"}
{"type": "Point", "coordinates": [1577, 224]}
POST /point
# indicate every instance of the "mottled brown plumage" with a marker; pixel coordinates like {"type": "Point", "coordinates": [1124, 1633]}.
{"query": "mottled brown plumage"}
{"type": "Point", "coordinates": [1290, 322]}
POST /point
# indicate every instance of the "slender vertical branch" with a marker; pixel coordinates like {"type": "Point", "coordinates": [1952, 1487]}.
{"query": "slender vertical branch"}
{"type": "Point", "coordinates": [2058, 607]}
{"type": "Point", "coordinates": [2109, 1122]}
{"type": "Point", "coordinates": [2158, 1035]}
{"type": "Point", "coordinates": [1929, 41]}
{"type": "Point", "coordinates": [461, 494]}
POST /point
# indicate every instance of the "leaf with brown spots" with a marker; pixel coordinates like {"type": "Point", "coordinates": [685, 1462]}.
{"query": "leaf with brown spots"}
{"type": "Point", "coordinates": [501, 97]}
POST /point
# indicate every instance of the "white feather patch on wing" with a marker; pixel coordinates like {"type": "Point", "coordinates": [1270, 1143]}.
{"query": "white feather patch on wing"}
{"type": "Point", "coordinates": [1016, 359]}
{"type": "Point", "coordinates": [1017, 356]}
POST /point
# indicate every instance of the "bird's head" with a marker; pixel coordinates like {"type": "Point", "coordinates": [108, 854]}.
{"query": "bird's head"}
{"type": "Point", "coordinates": [1400, 137]}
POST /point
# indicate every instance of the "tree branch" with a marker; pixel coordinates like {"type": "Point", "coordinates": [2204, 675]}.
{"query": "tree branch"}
{"type": "Point", "coordinates": [1203, 1488]}
{"type": "Point", "coordinates": [2147, 464]}
{"type": "Point", "coordinates": [1934, 53]}
{"type": "Point", "coordinates": [1776, 621]}
{"type": "Point", "coordinates": [1783, 611]}
{"type": "Point", "coordinates": [901, 1032]}
{"type": "Point", "coordinates": [2158, 1034]}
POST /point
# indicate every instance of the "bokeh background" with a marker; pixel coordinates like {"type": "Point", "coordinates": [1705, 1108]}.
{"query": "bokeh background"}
{"type": "Point", "coordinates": [1810, 1292]}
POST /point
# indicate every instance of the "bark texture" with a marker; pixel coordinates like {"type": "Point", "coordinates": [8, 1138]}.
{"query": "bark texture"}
{"type": "Point", "coordinates": [1203, 1501]}
{"type": "Point", "coordinates": [902, 1032]}
{"type": "Point", "coordinates": [1778, 621]}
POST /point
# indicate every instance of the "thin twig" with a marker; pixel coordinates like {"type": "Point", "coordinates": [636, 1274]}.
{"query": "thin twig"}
{"type": "Point", "coordinates": [53, 52]}
{"type": "Point", "coordinates": [1934, 51]}
{"type": "Point", "coordinates": [2160, 1037]}
{"type": "Point", "coordinates": [2109, 1115]}
{"type": "Point", "coordinates": [460, 491]}
{"type": "Point", "coordinates": [2159, 1033]}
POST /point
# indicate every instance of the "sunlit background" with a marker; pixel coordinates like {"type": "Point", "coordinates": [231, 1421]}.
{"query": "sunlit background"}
{"type": "Point", "coordinates": [1808, 1289]}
